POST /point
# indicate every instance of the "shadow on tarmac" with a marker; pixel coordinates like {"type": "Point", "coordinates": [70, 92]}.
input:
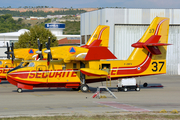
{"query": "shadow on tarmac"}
{"type": "Point", "coordinates": [4, 82]}
{"type": "Point", "coordinates": [92, 89]}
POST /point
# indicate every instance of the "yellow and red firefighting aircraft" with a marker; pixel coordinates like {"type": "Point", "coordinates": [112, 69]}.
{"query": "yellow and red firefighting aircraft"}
{"type": "Point", "coordinates": [77, 66]}
{"type": "Point", "coordinates": [15, 57]}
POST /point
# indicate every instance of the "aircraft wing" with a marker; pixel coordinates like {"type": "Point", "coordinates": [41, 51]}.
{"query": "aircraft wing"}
{"type": "Point", "coordinates": [93, 72]}
{"type": "Point", "coordinates": [76, 57]}
{"type": "Point", "coordinates": [94, 53]}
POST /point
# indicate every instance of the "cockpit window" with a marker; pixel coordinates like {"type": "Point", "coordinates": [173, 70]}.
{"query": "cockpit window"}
{"type": "Point", "coordinates": [0, 62]}
{"type": "Point", "coordinates": [24, 64]}
{"type": "Point", "coordinates": [21, 65]}
{"type": "Point", "coordinates": [31, 64]}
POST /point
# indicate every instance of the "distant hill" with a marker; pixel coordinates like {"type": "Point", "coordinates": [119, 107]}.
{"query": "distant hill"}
{"type": "Point", "coordinates": [47, 9]}
{"type": "Point", "coordinates": [43, 12]}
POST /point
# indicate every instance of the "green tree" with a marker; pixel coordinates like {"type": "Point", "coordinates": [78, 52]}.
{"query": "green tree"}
{"type": "Point", "coordinates": [7, 24]}
{"type": "Point", "coordinates": [29, 39]}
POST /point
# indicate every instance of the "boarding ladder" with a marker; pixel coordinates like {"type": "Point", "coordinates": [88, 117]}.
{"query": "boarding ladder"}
{"type": "Point", "coordinates": [108, 80]}
{"type": "Point", "coordinates": [97, 93]}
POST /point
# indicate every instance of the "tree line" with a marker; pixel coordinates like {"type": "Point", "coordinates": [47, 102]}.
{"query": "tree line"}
{"type": "Point", "coordinates": [42, 13]}
{"type": "Point", "coordinates": [8, 24]}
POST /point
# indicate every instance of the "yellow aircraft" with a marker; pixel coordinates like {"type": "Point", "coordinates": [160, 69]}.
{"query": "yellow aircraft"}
{"type": "Point", "coordinates": [74, 67]}
{"type": "Point", "coordinates": [15, 57]}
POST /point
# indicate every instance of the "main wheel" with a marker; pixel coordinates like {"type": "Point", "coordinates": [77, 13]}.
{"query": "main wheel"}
{"type": "Point", "coordinates": [84, 88]}
{"type": "Point", "coordinates": [145, 85]}
{"type": "Point", "coordinates": [125, 89]}
{"type": "Point", "coordinates": [19, 90]}
{"type": "Point", "coordinates": [137, 89]}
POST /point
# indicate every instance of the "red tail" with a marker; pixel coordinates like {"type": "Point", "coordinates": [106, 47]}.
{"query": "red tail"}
{"type": "Point", "coordinates": [97, 53]}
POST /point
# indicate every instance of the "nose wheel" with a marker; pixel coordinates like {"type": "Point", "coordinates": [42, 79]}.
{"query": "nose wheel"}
{"type": "Point", "coordinates": [19, 90]}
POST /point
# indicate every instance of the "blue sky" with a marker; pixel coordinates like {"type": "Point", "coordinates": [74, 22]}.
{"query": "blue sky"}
{"type": "Point", "coordinates": [93, 3]}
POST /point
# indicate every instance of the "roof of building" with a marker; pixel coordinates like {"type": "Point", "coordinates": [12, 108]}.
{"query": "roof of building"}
{"type": "Point", "coordinates": [21, 31]}
{"type": "Point", "coordinates": [68, 41]}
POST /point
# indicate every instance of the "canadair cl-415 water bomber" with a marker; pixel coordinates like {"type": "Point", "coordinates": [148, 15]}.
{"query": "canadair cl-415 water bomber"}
{"type": "Point", "coordinates": [74, 67]}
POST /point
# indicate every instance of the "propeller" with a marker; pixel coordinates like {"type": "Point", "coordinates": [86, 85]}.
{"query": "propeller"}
{"type": "Point", "coordinates": [40, 50]}
{"type": "Point", "coordinates": [12, 52]}
{"type": "Point", "coordinates": [7, 52]}
{"type": "Point", "coordinates": [48, 51]}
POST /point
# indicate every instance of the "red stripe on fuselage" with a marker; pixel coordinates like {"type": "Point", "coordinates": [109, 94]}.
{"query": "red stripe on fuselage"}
{"type": "Point", "coordinates": [44, 74]}
{"type": "Point", "coordinates": [15, 82]}
{"type": "Point", "coordinates": [132, 70]}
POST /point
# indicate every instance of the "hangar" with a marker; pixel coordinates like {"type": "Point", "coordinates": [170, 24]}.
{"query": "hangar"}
{"type": "Point", "coordinates": [128, 25]}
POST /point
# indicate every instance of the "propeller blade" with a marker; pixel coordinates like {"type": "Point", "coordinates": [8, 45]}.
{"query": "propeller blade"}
{"type": "Point", "coordinates": [7, 52]}
{"type": "Point", "coordinates": [12, 52]}
{"type": "Point", "coordinates": [38, 41]}
{"type": "Point", "coordinates": [49, 43]}
{"type": "Point", "coordinates": [48, 49]}
{"type": "Point", "coordinates": [40, 50]}
{"type": "Point", "coordinates": [8, 56]}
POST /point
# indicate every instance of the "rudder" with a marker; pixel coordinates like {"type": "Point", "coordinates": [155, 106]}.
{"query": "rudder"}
{"type": "Point", "coordinates": [101, 33]}
{"type": "Point", "coordinates": [154, 40]}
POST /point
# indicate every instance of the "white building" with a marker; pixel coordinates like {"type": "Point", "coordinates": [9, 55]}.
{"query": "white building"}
{"type": "Point", "coordinates": [128, 25]}
{"type": "Point", "coordinates": [9, 37]}
{"type": "Point", "coordinates": [55, 28]}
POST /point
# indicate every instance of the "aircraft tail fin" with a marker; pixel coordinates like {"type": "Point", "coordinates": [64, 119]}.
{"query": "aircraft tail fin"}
{"type": "Point", "coordinates": [100, 37]}
{"type": "Point", "coordinates": [154, 40]}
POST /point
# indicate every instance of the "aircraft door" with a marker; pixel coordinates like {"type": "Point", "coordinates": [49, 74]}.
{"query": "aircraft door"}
{"type": "Point", "coordinates": [42, 73]}
{"type": "Point", "coordinates": [106, 67]}
{"type": "Point", "coordinates": [82, 76]}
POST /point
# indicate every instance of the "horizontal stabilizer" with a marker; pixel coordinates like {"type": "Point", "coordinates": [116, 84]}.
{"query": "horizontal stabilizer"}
{"type": "Point", "coordinates": [93, 72]}
{"type": "Point", "coordinates": [151, 44]}
{"type": "Point", "coordinates": [98, 53]}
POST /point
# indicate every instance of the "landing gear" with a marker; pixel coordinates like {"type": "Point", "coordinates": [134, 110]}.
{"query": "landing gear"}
{"type": "Point", "coordinates": [145, 84]}
{"type": "Point", "coordinates": [137, 89]}
{"type": "Point", "coordinates": [125, 89]}
{"type": "Point", "coordinates": [84, 88]}
{"type": "Point", "coordinates": [19, 90]}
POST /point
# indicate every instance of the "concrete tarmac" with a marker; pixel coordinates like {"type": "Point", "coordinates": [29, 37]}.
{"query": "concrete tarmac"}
{"type": "Point", "coordinates": [162, 92]}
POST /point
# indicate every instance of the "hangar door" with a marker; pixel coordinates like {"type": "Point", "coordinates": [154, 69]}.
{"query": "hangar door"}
{"type": "Point", "coordinates": [126, 35]}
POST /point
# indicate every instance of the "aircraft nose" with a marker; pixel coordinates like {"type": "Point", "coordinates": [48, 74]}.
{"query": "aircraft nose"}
{"type": "Point", "coordinates": [11, 79]}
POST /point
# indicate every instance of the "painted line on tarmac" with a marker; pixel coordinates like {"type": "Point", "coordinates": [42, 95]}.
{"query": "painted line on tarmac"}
{"type": "Point", "coordinates": [124, 107]}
